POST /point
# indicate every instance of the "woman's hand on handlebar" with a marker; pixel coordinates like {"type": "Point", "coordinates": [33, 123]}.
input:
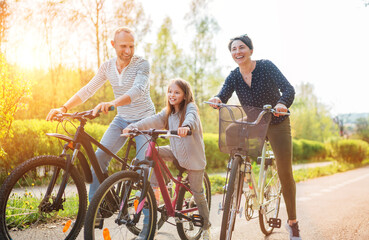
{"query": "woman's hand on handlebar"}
{"type": "Point", "coordinates": [53, 112]}
{"type": "Point", "coordinates": [103, 107]}
{"type": "Point", "coordinates": [215, 100]}
{"type": "Point", "coordinates": [280, 108]}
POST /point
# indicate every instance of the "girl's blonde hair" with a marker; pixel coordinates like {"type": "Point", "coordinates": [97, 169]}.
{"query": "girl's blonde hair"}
{"type": "Point", "coordinates": [188, 98]}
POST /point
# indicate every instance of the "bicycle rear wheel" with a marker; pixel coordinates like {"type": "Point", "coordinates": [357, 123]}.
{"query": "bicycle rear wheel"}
{"type": "Point", "coordinates": [26, 209]}
{"type": "Point", "coordinates": [232, 200]}
{"type": "Point", "coordinates": [186, 229]}
{"type": "Point", "coordinates": [106, 205]}
{"type": "Point", "coordinates": [272, 199]}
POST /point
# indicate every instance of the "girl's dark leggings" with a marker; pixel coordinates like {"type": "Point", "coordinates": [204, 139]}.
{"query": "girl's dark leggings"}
{"type": "Point", "coordinates": [281, 141]}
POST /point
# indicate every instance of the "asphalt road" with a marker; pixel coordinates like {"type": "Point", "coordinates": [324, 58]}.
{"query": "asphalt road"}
{"type": "Point", "coordinates": [334, 207]}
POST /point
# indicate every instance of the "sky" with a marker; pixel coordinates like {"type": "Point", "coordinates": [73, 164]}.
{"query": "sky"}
{"type": "Point", "coordinates": [321, 42]}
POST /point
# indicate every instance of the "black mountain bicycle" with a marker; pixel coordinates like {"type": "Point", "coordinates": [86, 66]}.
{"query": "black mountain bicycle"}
{"type": "Point", "coordinates": [46, 196]}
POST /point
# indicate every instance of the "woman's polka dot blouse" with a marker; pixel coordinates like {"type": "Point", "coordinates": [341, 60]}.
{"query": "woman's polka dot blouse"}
{"type": "Point", "coordinates": [268, 86]}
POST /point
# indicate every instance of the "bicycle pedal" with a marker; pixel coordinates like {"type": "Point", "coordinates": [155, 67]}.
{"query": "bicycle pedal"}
{"type": "Point", "coordinates": [99, 224]}
{"type": "Point", "coordinates": [197, 220]}
{"type": "Point", "coordinates": [268, 161]}
{"type": "Point", "coordinates": [161, 208]}
{"type": "Point", "coordinates": [274, 222]}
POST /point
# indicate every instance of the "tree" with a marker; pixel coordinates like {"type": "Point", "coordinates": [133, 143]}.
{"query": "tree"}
{"type": "Point", "coordinates": [166, 63]}
{"type": "Point", "coordinates": [311, 119]}
{"type": "Point", "coordinates": [12, 90]}
{"type": "Point", "coordinates": [362, 128]}
{"type": "Point", "coordinates": [4, 14]}
{"type": "Point", "coordinates": [202, 60]}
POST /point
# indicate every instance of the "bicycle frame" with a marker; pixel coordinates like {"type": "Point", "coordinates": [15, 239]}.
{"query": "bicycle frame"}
{"type": "Point", "coordinates": [81, 138]}
{"type": "Point", "coordinates": [256, 189]}
{"type": "Point", "coordinates": [153, 154]}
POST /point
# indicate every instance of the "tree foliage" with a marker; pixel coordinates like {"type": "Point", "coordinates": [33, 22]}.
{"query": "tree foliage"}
{"type": "Point", "coordinates": [167, 63]}
{"type": "Point", "coordinates": [201, 60]}
{"type": "Point", "coordinates": [362, 129]}
{"type": "Point", "coordinates": [311, 119]}
{"type": "Point", "coordinates": [13, 89]}
{"type": "Point", "coordinates": [4, 14]}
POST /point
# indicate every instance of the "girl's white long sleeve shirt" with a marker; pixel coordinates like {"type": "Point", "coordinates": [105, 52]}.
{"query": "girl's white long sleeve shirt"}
{"type": "Point", "coordinates": [189, 150]}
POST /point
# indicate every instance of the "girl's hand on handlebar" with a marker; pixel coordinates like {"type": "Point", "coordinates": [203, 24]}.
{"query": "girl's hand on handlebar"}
{"type": "Point", "coordinates": [215, 100]}
{"type": "Point", "coordinates": [53, 112]}
{"type": "Point", "coordinates": [103, 107]}
{"type": "Point", "coordinates": [126, 131]}
{"type": "Point", "coordinates": [280, 108]}
{"type": "Point", "coordinates": [182, 131]}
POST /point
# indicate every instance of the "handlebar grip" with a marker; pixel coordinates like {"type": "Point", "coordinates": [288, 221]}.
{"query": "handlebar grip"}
{"type": "Point", "coordinates": [282, 113]}
{"type": "Point", "coordinates": [174, 132]}
{"type": "Point", "coordinates": [111, 108]}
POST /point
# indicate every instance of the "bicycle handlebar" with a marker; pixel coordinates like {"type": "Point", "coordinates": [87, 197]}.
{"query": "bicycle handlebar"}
{"type": "Point", "coordinates": [153, 132]}
{"type": "Point", "coordinates": [266, 108]}
{"type": "Point", "coordinates": [78, 115]}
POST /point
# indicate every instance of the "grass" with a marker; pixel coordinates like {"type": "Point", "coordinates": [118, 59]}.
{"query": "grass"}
{"type": "Point", "coordinates": [22, 210]}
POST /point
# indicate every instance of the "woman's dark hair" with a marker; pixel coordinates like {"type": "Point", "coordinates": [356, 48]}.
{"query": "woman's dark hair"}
{"type": "Point", "coordinates": [244, 38]}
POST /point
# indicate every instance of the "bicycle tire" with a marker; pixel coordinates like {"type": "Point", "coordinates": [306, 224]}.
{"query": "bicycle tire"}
{"type": "Point", "coordinates": [98, 210]}
{"type": "Point", "coordinates": [229, 215]}
{"type": "Point", "coordinates": [272, 193]}
{"type": "Point", "coordinates": [23, 217]}
{"type": "Point", "coordinates": [185, 200]}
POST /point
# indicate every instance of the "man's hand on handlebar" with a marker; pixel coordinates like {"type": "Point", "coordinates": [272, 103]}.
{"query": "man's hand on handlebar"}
{"type": "Point", "coordinates": [280, 108]}
{"type": "Point", "coordinates": [53, 112]}
{"type": "Point", "coordinates": [215, 100]}
{"type": "Point", "coordinates": [103, 107]}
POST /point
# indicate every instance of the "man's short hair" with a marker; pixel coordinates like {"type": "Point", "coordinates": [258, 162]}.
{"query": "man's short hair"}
{"type": "Point", "coordinates": [124, 29]}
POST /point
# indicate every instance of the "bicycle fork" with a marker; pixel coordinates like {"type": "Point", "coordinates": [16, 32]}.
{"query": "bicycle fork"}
{"type": "Point", "coordinates": [45, 205]}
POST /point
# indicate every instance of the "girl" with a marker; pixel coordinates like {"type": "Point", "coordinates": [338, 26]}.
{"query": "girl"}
{"type": "Point", "coordinates": [181, 114]}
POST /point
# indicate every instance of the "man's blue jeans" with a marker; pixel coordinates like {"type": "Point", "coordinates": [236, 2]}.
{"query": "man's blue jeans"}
{"type": "Point", "coordinates": [113, 140]}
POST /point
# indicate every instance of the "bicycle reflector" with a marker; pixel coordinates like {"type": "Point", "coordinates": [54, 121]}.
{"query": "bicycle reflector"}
{"type": "Point", "coordinates": [106, 234]}
{"type": "Point", "coordinates": [67, 225]}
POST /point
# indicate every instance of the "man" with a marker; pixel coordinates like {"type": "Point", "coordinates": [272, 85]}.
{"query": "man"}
{"type": "Point", "coordinates": [128, 75]}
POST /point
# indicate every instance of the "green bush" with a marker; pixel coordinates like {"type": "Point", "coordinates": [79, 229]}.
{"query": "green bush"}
{"type": "Point", "coordinates": [30, 140]}
{"type": "Point", "coordinates": [217, 183]}
{"type": "Point", "coordinates": [308, 150]}
{"type": "Point", "coordinates": [350, 150]}
{"type": "Point", "coordinates": [216, 160]}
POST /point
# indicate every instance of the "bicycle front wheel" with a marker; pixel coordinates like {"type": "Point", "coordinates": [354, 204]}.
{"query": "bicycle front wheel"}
{"type": "Point", "coordinates": [186, 229]}
{"type": "Point", "coordinates": [27, 209]}
{"type": "Point", "coordinates": [232, 200]}
{"type": "Point", "coordinates": [272, 199]}
{"type": "Point", "coordinates": [113, 207]}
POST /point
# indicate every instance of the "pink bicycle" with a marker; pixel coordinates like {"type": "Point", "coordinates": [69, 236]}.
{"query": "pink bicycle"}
{"type": "Point", "coordinates": [125, 201]}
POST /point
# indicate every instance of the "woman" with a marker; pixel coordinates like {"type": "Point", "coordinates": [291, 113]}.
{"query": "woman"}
{"type": "Point", "coordinates": [257, 83]}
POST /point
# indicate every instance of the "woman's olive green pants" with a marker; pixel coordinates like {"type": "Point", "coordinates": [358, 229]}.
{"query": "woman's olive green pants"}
{"type": "Point", "coordinates": [281, 141]}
